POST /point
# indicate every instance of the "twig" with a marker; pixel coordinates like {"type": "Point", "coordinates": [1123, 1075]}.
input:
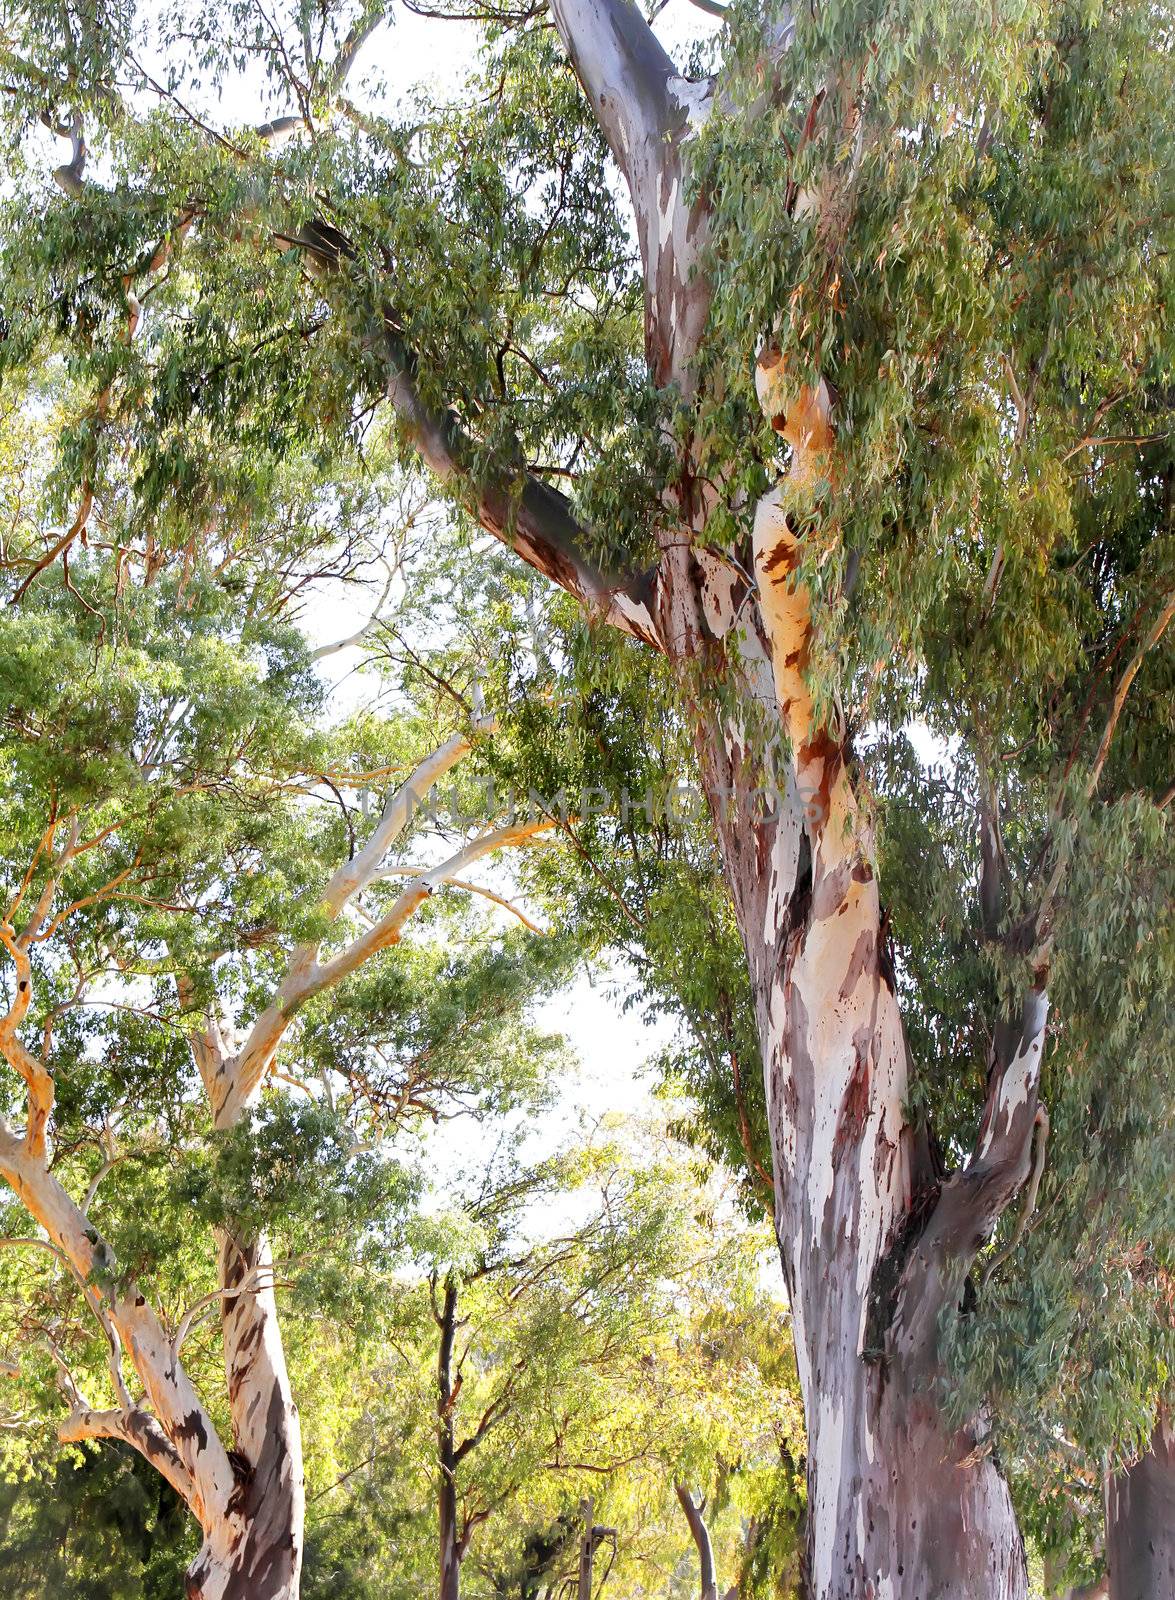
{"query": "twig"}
{"type": "Point", "coordinates": [470, 888]}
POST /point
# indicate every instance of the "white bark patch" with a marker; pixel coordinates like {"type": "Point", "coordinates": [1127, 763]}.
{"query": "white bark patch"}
{"type": "Point", "coordinates": [696, 99]}
{"type": "Point", "coordinates": [636, 615]}
{"type": "Point", "coordinates": [803, 1363]}
{"type": "Point", "coordinates": [718, 588]}
{"type": "Point", "coordinates": [1017, 1084]}
{"type": "Point", "coordinates": [778, 1074]}
{"type": "Point", "coordinates": [833, 1021]}
{"type": "Point", "coordinates": [821, 1168]}
{"type": "Point", "coordinates": [666, 212]}
{"type": "Point", "coordinates": [772, 908]}
{"type": "Point", "coordinates": [827, 1450]}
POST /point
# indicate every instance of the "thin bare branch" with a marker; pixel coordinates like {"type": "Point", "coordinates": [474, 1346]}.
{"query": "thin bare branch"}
{"type": "Point", "coordinates": [1122, 688]}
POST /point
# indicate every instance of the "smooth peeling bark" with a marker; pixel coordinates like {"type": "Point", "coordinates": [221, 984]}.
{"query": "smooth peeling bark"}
{"type": "Point", "coordinates": [700, 1534]}
{"type": "Point", "coordinates": [1140, 1522]}
{"type": "Point", "coordinates": [898, 1504]}
{"type": "Point", "coordinates": [254, 1549]}
{"type": "Point", "coordinates": [646, 112]}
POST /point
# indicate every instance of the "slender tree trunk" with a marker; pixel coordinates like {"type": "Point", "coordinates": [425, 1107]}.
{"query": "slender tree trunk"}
{"type": "Point", "coordinates": [587, 1550]}
{"type": "Point", "coordinates": [252, 1549]}
{"type": "Point", "coordinates": [450, 1555]}
{"type": "Point", "coordinates": [1140, 1522]}
{"type": "Point", "coordinates": [700, 1533]}
{"type": "Point", "coordinates": [450, 1552]}
{"type": "Point", "coordinates": [253, 1544]}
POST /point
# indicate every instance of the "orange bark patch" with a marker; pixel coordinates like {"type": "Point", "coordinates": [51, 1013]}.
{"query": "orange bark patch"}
{"type": "Point", "coordinates": [785, 556]}
{"type": "Point", "coordinates": [823, 748]}
{"type": "Point", "coordinates": [806, 424]}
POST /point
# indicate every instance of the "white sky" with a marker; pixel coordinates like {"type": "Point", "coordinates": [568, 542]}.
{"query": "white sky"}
{"type": "Point", "coordinates": [422, 50]}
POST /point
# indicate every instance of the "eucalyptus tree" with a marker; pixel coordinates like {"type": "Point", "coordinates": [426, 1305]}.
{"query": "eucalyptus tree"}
{"type": "Point", "coordinates": [863, 408]}
{"type": "Point", "coordinates": [1066, 1336]}
{"type": "Point", "coordinates": [185, 884]}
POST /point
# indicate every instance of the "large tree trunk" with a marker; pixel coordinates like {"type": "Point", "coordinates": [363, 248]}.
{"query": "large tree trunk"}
{"type": "Point", "coordinates": [253, 1551]}
{"type": "Point", "coordinates": [1140, 1522]}
{"type": "Point", "coordinates": [873, 1246]}
{"type": "Point", "coordinates": [899, 1505]}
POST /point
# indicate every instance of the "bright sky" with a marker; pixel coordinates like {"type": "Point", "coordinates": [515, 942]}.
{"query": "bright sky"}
{"type": "Point", "coordinates": [422, 50]}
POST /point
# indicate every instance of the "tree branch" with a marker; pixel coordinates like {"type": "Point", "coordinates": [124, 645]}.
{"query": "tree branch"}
{"type": "Point", "coordinates": [695, 1516]}
{"type": "Point", "coordinates": [625, 73]}
{"type": "Point", "coordinates": [252, 1283]}
{"type": "Point", "coordinates": [469, 888]}
{"type": "Point", "coordinates": [1030, 1196]}
{"type": "Point", "coordinates": [493, 1413]}
{"type": "Point", "coordinates": [1122, 688]}
{"type": "Point", "coordinates": [38, 1079]}
{"type": "Point", "coordinates": [121, 1307]}
{"type": "Point", "coordinates": [236, 1077]}
{"type": "Point", "coordinates": [138, 1428]}
{"type": "Point", "coordinates": [973, 1199]}
{"type": "Point", "coordinates": [522, 511]}
{"type": "Point", "coordinates": [387, 931]}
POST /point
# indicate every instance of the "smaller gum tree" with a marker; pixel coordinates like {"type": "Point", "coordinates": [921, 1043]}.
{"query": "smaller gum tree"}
{"type": "Point", "coordinates": [181, 891]}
